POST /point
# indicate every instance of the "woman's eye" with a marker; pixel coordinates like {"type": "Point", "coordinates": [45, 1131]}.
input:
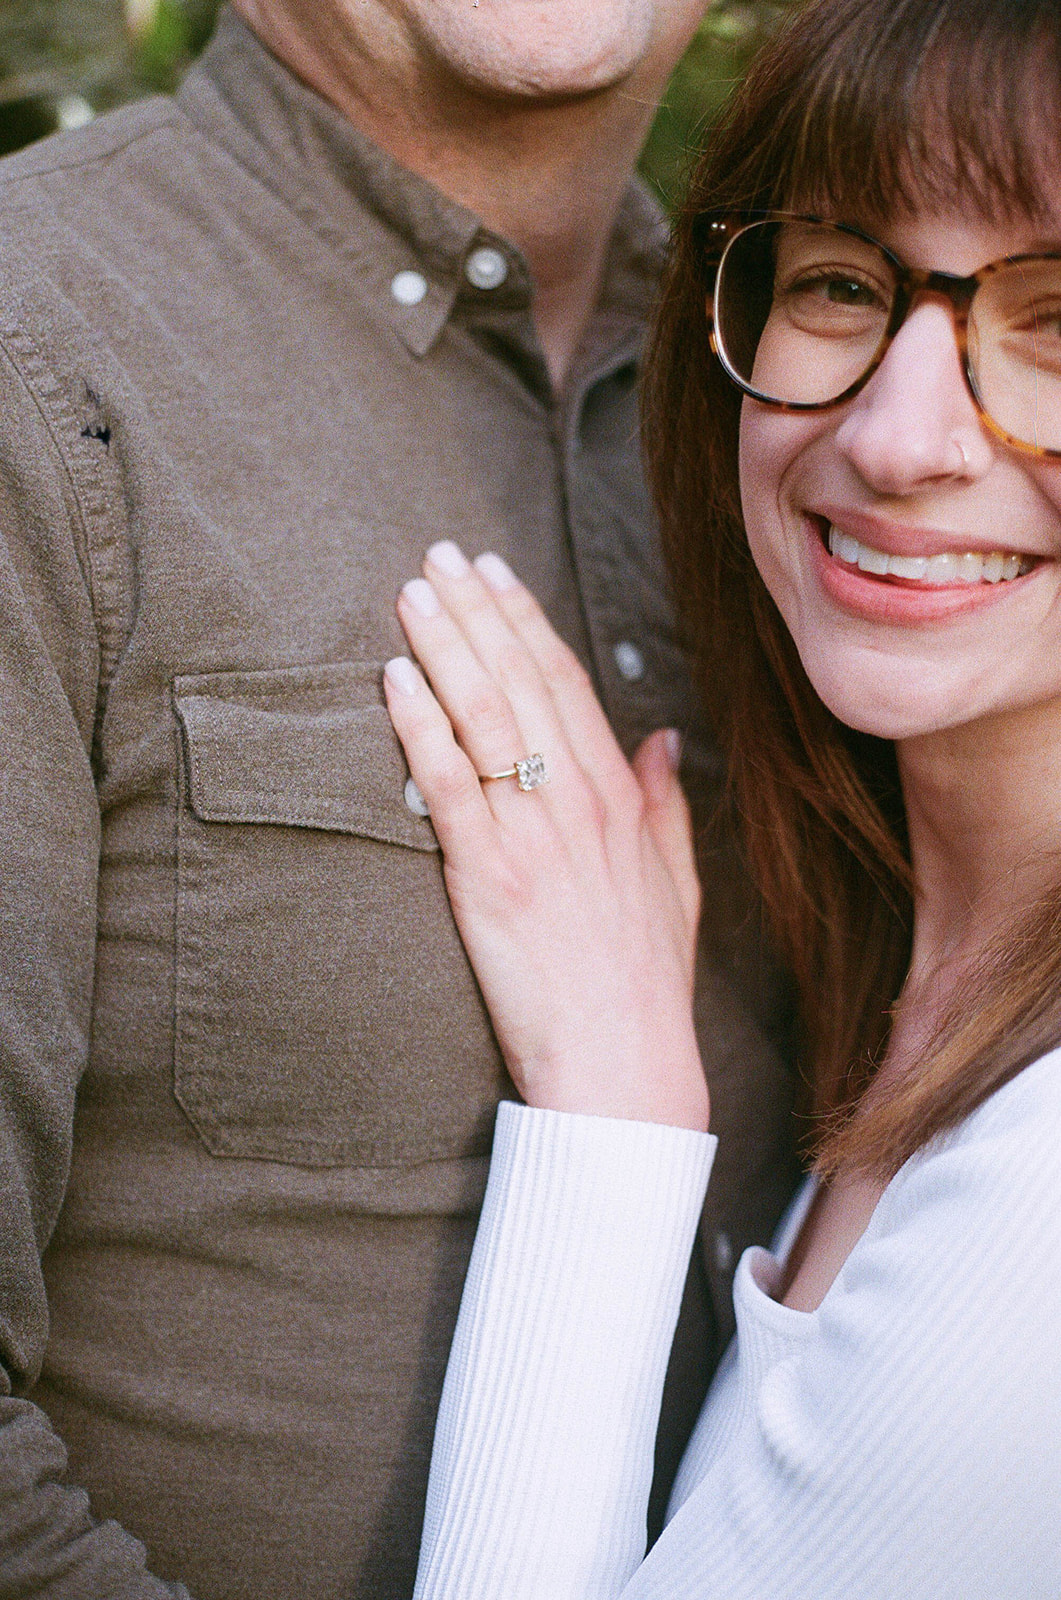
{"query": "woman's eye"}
{"type": "Point", "coordinates": [836, 288]}
{"type": "Point", "coordinates": [846, 292]}
{"type": "Point", "coordinates": [830, 300]}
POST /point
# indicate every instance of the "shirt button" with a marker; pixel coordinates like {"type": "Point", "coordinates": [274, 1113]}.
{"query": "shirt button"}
{"type": "Point", "coordinates": [415, 800]}
{"type": "Point", "coordinates": [723, 1252]}
{"type": "Point", "coordinates": [486, 268]}
{"type": "Point", "coordinates": [409, 287]}
{"type": "Point", "coordinates": [630, 661]}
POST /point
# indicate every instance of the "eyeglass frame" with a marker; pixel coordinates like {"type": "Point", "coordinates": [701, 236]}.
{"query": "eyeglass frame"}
{"type": "Point", "coordinates": [910, 284]}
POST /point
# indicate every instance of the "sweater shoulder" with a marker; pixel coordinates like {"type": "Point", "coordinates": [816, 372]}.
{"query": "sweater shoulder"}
{"type": "Point", "coordinates": [997, 1173]}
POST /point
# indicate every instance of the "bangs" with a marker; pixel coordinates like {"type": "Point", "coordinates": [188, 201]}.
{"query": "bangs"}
{"type": "Point", "coordinates": [874, 108]}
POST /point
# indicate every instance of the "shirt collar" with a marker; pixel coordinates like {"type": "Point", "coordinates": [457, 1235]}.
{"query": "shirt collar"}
{"type": "Point", "coordinates": [389, 220]}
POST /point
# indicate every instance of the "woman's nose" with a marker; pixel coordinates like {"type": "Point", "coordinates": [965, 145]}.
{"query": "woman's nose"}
{"type": "Point", "coordinates": [915, 424]}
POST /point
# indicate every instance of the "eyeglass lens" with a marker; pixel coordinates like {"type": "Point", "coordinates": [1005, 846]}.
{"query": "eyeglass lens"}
{"type": "Point", "coordinates": [802, 311]}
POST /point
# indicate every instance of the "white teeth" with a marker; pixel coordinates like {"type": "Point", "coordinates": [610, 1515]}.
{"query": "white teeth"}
{"type": "Point", "coordinates": [942, 569]}
{"type": "Point", "coordinates": [968, 566]}
{"type": "Point", "coordinates": [875, 561]}
{"type": "Point", "coordinates": [908, 566]}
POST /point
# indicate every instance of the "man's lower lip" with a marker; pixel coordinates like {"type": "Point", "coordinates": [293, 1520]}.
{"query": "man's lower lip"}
{"type": "Point", "coordinates": [899, 600]}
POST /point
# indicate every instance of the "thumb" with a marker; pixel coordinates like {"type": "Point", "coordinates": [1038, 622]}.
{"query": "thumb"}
{"type": "Point", "coordinates": [667, 814]}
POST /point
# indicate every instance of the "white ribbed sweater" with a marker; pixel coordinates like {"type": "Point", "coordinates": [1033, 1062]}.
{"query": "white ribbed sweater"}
{"type": "Point", "coordinates": [902, 1442]}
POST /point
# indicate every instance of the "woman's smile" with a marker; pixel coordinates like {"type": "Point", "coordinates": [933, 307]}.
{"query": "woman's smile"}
{"type": "Point", "coordinates": [907, 577]}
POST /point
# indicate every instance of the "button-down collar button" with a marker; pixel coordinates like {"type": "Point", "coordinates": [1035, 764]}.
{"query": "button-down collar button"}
{"type": "Point", "coordinates": [723, 1252]}
{"type": "Point", "coordinates": [415, 800]}
{"type": "Point", "coordinates": [409, 287]}
{"type": "Point", "coordinates": [486, 268]}
{"type": "Point", "coordinates": [630, 661]}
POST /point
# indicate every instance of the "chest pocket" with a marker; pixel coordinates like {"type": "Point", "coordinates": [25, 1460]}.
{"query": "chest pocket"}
{"type": "Point", "coordinates": [325, 1012]}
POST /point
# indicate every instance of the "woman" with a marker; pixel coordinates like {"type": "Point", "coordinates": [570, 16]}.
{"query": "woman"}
{"type": "Point", "coordinates": [876, 601]}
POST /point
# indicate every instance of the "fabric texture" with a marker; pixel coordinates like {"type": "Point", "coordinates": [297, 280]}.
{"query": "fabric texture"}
{"type": "Point", "coordinates": [247, 1083]}
{"type": "Point", "coordinates": [901, 1442]}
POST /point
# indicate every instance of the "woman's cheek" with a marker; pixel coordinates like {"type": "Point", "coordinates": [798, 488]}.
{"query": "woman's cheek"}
{"type": "Point", "coordinates": [767, 452]}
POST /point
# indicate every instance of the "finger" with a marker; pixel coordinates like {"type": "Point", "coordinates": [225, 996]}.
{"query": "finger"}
{"type": "Point", "coordinates": [474, 610]}
{"type": "Point", "coordinates": [440, 769]}
{"type": "Point", "coordinates": [578, 707]}
{"type": "Point", "coordinates": [668, 816]}
{"type": "Point", "coordinates": [487, 723]}
{"type": "Point", "coordinates": [478, 709]}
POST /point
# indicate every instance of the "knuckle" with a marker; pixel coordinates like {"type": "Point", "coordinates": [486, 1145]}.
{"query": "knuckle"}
{"type": "Point", "coordinates": [486, 712]}
{"type": "Point", "coordinates": [449, 784]}
{"type": "Point", "coordinates": [522, 605]}
{"type": "Point", "coordinates": [476, 603]}
{"type": "Point", "coordinates": [423, 723]}
{"type": "Point", "coordinates": [512, 664]}
{"type": "Point", "coordinates": [591, 809]}
{"type": "Point", "coordinates": [565, 669]}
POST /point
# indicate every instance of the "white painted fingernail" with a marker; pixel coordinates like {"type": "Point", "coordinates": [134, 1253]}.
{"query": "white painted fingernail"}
{"type": "Point", "coordinates": [403, 675]}
{"type": "Point", "coordinates": [497, 573]}
{"type": "Point", "coordinates": [448, 559]}
{"type": "Point", "coordinates": [672, 744]}
{"type": "Point", "coordinates": [422, 597]}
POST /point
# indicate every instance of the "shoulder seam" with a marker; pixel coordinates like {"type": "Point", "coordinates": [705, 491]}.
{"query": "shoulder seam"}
{"type": "Point", "coordinates": [169, 114]}
{"type": "Point", "coordinates": [80, 528]}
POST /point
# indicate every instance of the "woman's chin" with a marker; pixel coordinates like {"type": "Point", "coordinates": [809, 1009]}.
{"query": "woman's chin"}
{"type": "Point", "coordinates": [899, 706]}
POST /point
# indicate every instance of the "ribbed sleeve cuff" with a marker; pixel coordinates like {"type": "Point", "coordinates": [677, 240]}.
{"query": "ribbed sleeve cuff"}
{"type": "Point", "coordinates": [544, 1446]}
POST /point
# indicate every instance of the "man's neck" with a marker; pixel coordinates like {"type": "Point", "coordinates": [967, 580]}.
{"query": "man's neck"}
{"type": "Point", "coordinates": [549, 177]}
{"type": "Point", "coordinates": [551, 181]}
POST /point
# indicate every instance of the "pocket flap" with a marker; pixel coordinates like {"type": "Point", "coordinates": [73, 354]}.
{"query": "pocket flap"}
{"type": "Point", "coordinates": [309, 747]}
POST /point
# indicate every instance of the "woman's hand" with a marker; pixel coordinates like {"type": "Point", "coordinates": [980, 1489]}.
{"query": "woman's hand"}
{"type": "Point", "coordinates": [577, 901]}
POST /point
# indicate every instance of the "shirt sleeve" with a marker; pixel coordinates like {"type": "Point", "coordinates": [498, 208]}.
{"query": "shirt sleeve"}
{"type": "Point", "coordinates": [906, 1443]}
{"type": "Point", "coordinates": [50, 1544]}
{"type": "Point", "coordinates": [543, 1452]}
{"type": "Point", "coordinates": [902, 1441]}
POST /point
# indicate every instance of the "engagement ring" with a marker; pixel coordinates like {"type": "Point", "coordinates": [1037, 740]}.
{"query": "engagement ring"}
{"type": "Point", "coordinates": [529, 773]}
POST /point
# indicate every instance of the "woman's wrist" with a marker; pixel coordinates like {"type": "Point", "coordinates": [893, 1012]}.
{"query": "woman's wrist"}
{"type": "Point", "coordinates": [664, 1085]}
{"type": "Point", "coordinates": [679, 1106]}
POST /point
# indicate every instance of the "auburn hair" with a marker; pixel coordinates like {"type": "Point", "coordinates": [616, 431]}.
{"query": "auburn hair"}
{"type": "Point", "coordinates": [857, 109]}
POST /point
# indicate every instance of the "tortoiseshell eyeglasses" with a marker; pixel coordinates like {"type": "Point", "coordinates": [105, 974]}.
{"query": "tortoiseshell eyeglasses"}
{"type": "Point", "coordinates": [803, 312]}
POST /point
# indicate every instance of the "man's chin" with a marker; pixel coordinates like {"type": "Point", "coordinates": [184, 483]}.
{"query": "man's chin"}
{"type": "Point", "coordinates": [553, 61]}
{"type": "Point", "coordinates": [542, 89]}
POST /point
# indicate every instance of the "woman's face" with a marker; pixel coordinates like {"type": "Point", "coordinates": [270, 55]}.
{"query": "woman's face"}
{"type": "Point", "coordinates": [907, 470]}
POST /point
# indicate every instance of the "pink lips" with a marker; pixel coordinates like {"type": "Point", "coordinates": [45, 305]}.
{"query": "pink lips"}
{"type": "Point", "coordinates": [899, 601]}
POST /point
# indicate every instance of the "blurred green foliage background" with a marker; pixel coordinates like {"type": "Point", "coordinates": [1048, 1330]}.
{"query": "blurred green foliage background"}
{"type": "Point", "coordinates": [62, 61]}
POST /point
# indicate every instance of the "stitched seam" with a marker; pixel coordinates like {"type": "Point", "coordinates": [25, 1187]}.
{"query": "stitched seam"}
{"type": "Point", "coordinates": [82, 542]}
{"type": "Point", "coordinates": [10, 180]}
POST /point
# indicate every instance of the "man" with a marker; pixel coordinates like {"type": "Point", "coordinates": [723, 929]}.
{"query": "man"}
{"type": "Point", "coordinates": [258, 348]}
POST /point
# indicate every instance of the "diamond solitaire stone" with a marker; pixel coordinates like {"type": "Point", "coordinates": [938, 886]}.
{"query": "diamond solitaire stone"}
{"type": "Point", "coordinates": [531, 772]}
